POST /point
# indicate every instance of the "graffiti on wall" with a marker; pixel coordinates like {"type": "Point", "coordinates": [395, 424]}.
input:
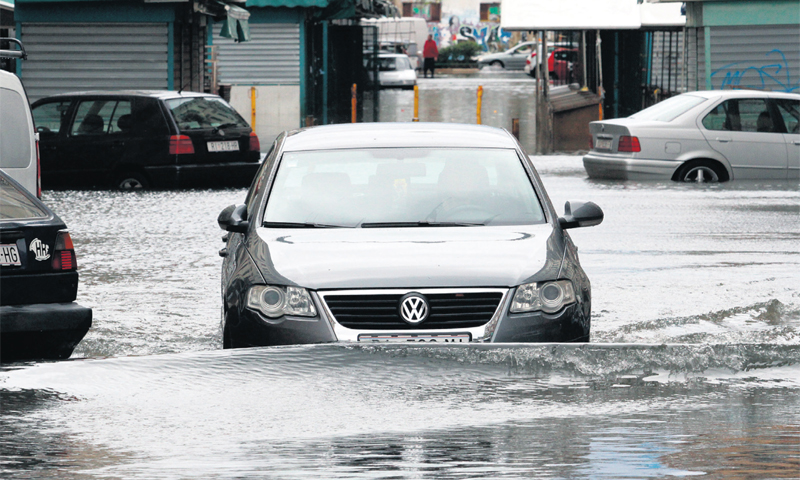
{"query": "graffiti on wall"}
{"type": "Point", "coordinates": [490, 36]}
{"type": "Point", "coordinates": [773, 74]}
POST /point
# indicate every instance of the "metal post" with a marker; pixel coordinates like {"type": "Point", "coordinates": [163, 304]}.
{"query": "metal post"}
{"type": "Point", "coordinates": [515, 127]}
{"type": "Point", "coordinates": [324, 72]}
{"type": "Point", "coordinates": [416, 103]}
{"type": "Point", "coordinates": [584, 86]}
{"type": "Point", "coordinates": [253, 108]}
{"type": "Point", "coordinates": [353, 104]}
{"type": "Point", "coordinates": [480, 100]}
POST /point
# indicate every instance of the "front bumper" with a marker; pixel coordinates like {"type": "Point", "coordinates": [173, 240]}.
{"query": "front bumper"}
{"type": "Point", "coordinates": [615, 167]}
{"type": "Point", "coordinates": [42, 331]}
{"type": "Point", "coordinates": [249, 328]}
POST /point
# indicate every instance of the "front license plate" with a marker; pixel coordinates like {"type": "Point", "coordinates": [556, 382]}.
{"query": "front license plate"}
{"type": "Point", "coordinates": [415, 337]}
{"type": "Point", "coordinates": [231, 146]}
{"type": "Point", "coordinates": [603, 144]}
{"type": "Point", "coordinates": [9, 255]}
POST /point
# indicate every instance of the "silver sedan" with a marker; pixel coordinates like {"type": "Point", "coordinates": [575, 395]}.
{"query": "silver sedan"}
{"type": "Point", "coordinates": [707, 136]}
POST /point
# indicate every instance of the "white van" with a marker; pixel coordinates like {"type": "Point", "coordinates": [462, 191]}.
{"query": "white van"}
{"type": "Point", "coordinates": [19, 152]}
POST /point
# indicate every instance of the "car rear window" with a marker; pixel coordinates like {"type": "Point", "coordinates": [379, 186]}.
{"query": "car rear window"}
{"type": "Point", "coordinates": [15, 204]}
{"type": "Point", "coordinates": [359, 187]}
{"type": "Point", "coordinates": [669, 109]}
{"type": "Point", "coordinates": [15, 133]}
{"type": "Point", "coordinates": [196, 113]}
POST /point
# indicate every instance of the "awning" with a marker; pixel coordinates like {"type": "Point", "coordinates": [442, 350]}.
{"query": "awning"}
{"type": "Point", "coordinates": [288, 3]}
{"type": "Point", "coordinates": [587, 15]}
{"type": "Point", "coordinates": [236, 25]}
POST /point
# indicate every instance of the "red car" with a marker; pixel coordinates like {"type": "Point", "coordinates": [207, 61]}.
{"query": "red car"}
{"type": "Point", "coordinates": [559, 62]}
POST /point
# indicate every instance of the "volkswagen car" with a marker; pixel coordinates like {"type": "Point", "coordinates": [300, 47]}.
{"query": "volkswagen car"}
{"type": "Point", "coordinates": [401, 232]}
{"type": "Point", "coordinates": [708, 136]}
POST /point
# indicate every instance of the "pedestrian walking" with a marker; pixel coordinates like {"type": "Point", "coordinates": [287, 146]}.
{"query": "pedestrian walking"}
{"type": "Point", "coordinates": [430, 53]}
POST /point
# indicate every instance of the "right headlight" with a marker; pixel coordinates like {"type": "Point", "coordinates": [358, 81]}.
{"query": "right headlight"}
{"type": "Point", "coordinates": [275, 301]}
{"type": "Point", "coordinates": [548, 297]}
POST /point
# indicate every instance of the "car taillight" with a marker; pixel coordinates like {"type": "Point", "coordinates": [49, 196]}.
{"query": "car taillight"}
{"type": "Point", "coordinates": [629, 144]}
{"type": "Point", "coordinates": [180, 145]}
{"type": "Point", "coordinates": [64, 253]}
{"type": "Point", "coordinates": [255, 145]}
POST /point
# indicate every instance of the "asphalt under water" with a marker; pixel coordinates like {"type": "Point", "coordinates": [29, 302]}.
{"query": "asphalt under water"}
{"type": "Point", "coordinates": [693, 366]}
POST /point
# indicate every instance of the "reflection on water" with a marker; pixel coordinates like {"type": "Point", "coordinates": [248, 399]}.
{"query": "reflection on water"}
{"type": "Point", "coordinates": [325, 411]}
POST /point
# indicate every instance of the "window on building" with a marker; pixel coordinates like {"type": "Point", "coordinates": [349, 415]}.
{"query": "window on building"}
{"type": "Point", "coordinates": [490, 12]}
{"type": "Point", "coordinates": [430, 11]}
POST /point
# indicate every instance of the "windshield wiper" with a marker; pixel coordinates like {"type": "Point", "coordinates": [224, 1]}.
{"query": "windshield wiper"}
{"type": "Point", "coordinates": [300, 225]}
{"type": "Point", "coordinates": [420, 224]}
{"type": "Point", "coordinates": [225, 125]}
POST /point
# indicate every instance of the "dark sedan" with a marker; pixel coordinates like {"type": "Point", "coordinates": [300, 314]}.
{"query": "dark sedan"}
{"type": "Point", "coordinates": [132, 140]}
{"type": "Point", "coordinates": [38, 280]}
{"type": "Point", "coordinates": [406, 232]}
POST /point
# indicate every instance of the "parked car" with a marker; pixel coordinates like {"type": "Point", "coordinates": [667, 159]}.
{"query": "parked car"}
{"type": "Point", "coordinates": [402, 232]}
{"type": "Point", "coordinates": [132, 140]}
{"type": "Point", "coordinates": [38, 280]}
{"type": "Point", "coordinates": [512, 59]}
{"type": "Point", "coordinates": [394, 70]}
{"type": "Point", "coordinates": [18, 152]}
{"type": "Point", "coordinates": [707, 136]}
{"type": "Point", "coordinates": [560, 62]}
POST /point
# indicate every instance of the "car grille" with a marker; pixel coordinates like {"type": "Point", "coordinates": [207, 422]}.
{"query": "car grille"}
{"type": "Point", "coordinates": [380, 311]}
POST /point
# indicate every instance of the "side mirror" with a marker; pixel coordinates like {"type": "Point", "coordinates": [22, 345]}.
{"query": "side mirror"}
{"type": "Point", "coordinates": [233, 218]}
{"type": "Point", "coordinates": [580, 214]}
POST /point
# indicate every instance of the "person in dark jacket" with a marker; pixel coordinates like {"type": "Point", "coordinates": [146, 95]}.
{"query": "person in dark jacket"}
{"type": "Point", "coordinates": [430, 53]}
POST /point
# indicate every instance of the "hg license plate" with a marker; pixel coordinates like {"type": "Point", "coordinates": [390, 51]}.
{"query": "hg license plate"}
{"type": "Point", "coordinates": [9, 255]}
{"type": "Point", "coordinates": [415, 337]}
{"type": "Point", "coordinates": [603, 144]}
{"type": "Point", "coordinates": [230, 146]}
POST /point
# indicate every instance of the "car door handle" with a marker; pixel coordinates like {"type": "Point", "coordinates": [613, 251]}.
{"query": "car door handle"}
{"type": "Point", "coordinates": [723, 139]}
{"type": "Point", "coordinates": [796, 142]}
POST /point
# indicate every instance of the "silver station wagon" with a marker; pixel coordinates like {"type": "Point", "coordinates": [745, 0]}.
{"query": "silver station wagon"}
{"type": "Point", "coordinates": [402, 232]}
{"type": "Point", "coordinates": [708, 136]}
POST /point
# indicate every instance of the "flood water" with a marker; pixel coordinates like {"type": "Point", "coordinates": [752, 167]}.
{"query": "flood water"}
{"type": "Point", "coordinates": [693, 368]}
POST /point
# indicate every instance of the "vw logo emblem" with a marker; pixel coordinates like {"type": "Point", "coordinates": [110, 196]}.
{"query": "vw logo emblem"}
{"type": "Point", "coordinates": [414, 308]}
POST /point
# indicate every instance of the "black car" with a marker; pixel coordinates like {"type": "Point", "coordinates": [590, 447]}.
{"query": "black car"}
{"type": "Point", "coordinates": [143, 139]}
{"type": "Point", "coordinates": [38, 280]}
{"type": "Point", "coordinates": [404, 232]}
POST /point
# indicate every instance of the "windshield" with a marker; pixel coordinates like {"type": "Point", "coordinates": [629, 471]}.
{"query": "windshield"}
{"type": "Point", "coordinates": [195, 113]}
{"type": "Point", "coordinates": [402, 187]}
{"type": "Point", "coordinates": [669, 109]}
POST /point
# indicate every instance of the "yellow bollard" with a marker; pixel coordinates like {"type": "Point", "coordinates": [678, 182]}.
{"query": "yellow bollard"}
{"type": "Point", "coordinates": [416, 103]}
{"type": "Point", "coordinates": [253, 108]}
{"type": "Point", "coordinates": [515, 127]}
{"type": "Point", "coordinates": [480, 101]}
{"type": "Point", "coordinates": [353, 104]}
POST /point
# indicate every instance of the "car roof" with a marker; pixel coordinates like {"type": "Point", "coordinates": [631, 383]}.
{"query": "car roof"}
{"type": "Point", "coordinates": [161, 94]}
{"type": "Point", "coordinates": [386, 55]}
{"type": "Point", "coordinates": [739, 93]}
{"type": "Point", "coordinates": [397, 135]}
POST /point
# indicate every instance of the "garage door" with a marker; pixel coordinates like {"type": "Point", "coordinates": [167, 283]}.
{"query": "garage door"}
{"type": "Point", "coordinates": [271, 57]}
{"type": "Point", "coordinates": [94, 56]}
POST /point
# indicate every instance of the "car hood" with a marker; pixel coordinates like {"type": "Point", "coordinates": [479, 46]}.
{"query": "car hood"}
{"type": "Point", "coordinates": [408, 257]}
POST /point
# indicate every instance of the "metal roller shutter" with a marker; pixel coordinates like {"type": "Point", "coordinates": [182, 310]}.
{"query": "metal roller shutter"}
{"type": "Point", "coordinates": [761, 57]}
{"type": "Point", "coordinates": [271, 57]}
{"type": "Point", "coordinates": [94, 56]}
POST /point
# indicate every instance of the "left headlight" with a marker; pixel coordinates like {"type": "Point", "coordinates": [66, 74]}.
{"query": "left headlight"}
{"type": "Point", "coordinates": [275, 301]}
{"type": "Point", "coordinates": [548, 297]}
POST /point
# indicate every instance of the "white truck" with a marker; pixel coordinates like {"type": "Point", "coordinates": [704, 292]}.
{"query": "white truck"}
{"type": "Point", "coordinates": [19, 151]}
